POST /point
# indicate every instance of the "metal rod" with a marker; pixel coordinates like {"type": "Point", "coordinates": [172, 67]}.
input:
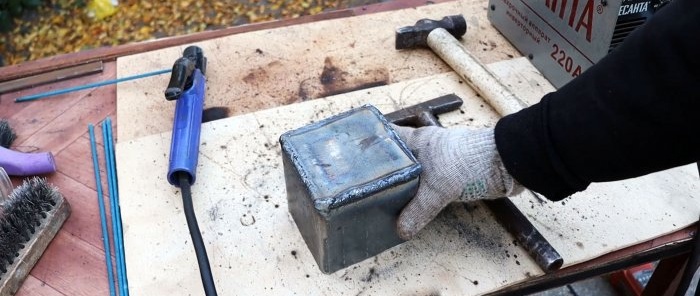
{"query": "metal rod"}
{"type": "Point", "coordinates": [118, 245]}
{"type": "Point", "coordinates": [53, 76]}
{"type": "Point", "coordinates": [117, 208]}
{"type": "Point", "coordinates": [510, 217]}
{"type": "Point", "coordinates": [86, 86]}
{"type": "Point", "coordinates": [103, 216]}
{"type": "Point", "coordinates": [504, 210]}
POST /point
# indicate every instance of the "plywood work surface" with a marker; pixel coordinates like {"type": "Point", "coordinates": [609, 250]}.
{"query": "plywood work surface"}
{"type": "Point", "coordinates": [255, 248]}
{"type": "Point", "coordinates": [263, 69]}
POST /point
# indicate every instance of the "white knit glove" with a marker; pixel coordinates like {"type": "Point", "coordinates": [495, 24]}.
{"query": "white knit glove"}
{"type": "Point", "coordinates": [459, 164]}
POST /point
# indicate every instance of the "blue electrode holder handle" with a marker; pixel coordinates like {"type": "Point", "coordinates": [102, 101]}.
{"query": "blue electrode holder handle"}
{"type": "Point", "coordinates": [187, 124]}
{"type": "Point", "coordinates": [187, 86]}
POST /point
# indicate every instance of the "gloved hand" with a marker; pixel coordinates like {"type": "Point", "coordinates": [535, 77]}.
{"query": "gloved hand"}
{"type": "Point", "coordinates": [459, 164]}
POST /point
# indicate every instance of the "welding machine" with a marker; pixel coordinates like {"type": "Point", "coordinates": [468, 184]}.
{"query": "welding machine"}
{"type": "Point", "coordinates": [563, 38]}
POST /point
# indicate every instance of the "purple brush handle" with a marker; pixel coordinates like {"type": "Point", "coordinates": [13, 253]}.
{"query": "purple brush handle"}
{"type": "Point", "coordinates": [26, 164]}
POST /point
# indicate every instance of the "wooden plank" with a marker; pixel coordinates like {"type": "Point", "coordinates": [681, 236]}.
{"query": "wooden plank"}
{"type": "Point", "coordinates": [30, 117]}
{"type": "Point", "coordinates": [52, 76]}
{"type": "Point", "coordinates": [60, 132]}
{"type": "Point", "coordinates": [247, 72]}
{"type": "Point", "coordinates": [392, 5]}
{"type": "Point", "coordinates": [75, 160]}
{"type": "Point", "coordinates": [36, 116]}
{"type": "Point", "coordinates": [73, 267]}
{"type": "Point", "coordinates": [672, 243]}
{"type": "Point", "coordinates": [241, 180]}
{"type": "Point", "coordinates": [664, 280]}
{"type": "Point", "coordinates": [34, 287]}
{"type": "Point", "coordinates": [26, 123]}
{"type": "Point", "coordinates": [84, 222]}
{"type": "Point", "coordinates": [110, 53]}
{"type": "Point", "coordinates": [34, 248]}
{"type": "Point", "coordinates": [242, 211]}
{"type": "Point", "coordinates": [81, 241]}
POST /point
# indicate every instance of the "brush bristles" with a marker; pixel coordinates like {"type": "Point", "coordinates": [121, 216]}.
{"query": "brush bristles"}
{"type": "Point", "coordinates": [24, 210]}
{"type": "Point", "coordinates": [7, 135]}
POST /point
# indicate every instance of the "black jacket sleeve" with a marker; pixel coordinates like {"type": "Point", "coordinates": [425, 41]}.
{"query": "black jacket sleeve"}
{"type": "Point", "coordinates": [633, 113]}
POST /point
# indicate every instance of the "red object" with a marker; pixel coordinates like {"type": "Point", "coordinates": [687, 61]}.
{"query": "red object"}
{"type": "Point", "coordinates": [633, 280]}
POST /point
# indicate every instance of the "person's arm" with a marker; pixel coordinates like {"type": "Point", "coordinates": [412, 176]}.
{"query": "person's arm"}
{"type": "Point", "coordinates": [633, 113]}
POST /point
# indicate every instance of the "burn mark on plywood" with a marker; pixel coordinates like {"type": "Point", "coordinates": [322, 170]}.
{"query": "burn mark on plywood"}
{"type": "Point", "coordinates": [255, 75]}
{"type": "Point", "coordinates": [338, 78]}
{"type": "Point", "coordinates": [262, 75]}
{"type": "Point", "coordinates": [331, 74]}
{"type": "Point", "coordinates": [336, 81]}
{"type": "Point", "coordinates": [305, 91]}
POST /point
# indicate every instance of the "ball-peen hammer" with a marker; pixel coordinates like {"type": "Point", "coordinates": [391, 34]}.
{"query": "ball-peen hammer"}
{"type": "Point", "coordinates": [441, 37]}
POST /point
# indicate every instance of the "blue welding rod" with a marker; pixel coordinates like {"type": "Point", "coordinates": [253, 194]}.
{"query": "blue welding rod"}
{"type": "Point", "coordinates": [86, 86]}
{"type": "Point", "coordinates": [103, 216]}
{"type": "Point", "coordinates": [118, 246]}
{"type": "Point", "coordinates": [117, 210]}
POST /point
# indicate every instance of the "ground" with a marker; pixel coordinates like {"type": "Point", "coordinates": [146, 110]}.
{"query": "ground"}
{"type": "Point", "coordinates": [64, 26]}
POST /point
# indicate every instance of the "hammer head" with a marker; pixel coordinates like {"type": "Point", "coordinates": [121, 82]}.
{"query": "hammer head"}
{"type": "Point", "coordinates": [425, 114]}
{"type": "Point", "coordinates": [417, 35]}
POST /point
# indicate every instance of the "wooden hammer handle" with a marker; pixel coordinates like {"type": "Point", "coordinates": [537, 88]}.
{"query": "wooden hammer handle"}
{"type": "Point", "coordinates": [505, 102]}
{"type": "Point", "coordinates": [474, 72]}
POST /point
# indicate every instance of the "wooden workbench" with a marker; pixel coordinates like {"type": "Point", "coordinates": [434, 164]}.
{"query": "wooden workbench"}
{"type": "Point", "coordinates": [74, 262]}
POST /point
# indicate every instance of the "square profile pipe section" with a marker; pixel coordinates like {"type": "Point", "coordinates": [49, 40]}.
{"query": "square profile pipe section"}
{"type": "Point", "coordinates": [348, 177]}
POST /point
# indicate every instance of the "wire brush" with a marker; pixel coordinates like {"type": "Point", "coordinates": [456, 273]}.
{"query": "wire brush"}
{"type": "Point", "coordinates": [29, 219]}
{"type": "Point", "coordinates": [7, 135]}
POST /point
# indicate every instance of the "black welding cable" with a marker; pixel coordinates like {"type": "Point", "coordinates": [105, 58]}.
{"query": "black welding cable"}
{"type": "Point", "coordinates": [202, 259]}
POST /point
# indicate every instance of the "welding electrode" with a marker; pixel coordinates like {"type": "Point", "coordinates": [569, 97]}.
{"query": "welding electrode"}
{"type": "Point", "coordinates": [187, 87]}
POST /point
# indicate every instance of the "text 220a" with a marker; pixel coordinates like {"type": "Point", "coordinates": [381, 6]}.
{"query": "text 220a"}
{"type": "Point", "coordinates": [565, 61]}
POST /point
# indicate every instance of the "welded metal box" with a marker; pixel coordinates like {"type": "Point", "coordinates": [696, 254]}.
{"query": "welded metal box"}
{"type": "Point", "coordinates": [347, 179]}
{"type": "Point", "coordinates": [563, 38]}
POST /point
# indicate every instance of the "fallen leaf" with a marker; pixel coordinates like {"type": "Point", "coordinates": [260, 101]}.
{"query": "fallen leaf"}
{"type": "Point", "coordinates": [63, 25]}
